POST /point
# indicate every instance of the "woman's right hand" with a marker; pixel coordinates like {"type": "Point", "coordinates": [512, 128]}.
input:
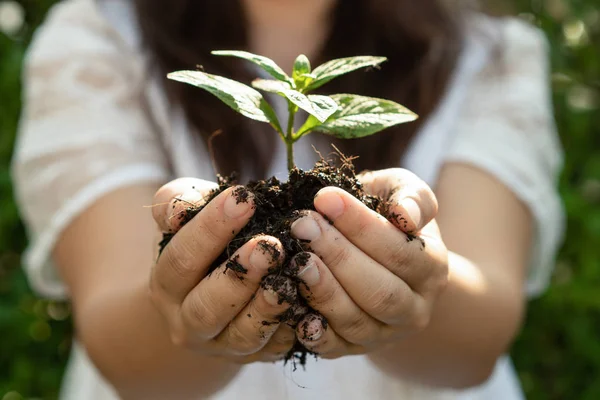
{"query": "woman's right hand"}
{"type": "Point", "coordinates": [225, 313]}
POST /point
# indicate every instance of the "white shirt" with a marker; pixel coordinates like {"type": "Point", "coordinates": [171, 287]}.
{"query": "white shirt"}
{"type": "Point", "coordinates": [96, 120]}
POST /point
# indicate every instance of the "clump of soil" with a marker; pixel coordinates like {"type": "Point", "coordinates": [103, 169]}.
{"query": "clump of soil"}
{"type": "Point", "coordinates": [278, 205]}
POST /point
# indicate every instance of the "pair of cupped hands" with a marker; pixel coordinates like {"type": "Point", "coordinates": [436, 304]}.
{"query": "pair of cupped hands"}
{"type": "Point", "coordinates": [369, 281]}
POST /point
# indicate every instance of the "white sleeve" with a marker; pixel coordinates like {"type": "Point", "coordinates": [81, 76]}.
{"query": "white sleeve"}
{"type": "Point", "coordinates": [83, 132]}
{"type": "Point", "coordinates": [507, 129]}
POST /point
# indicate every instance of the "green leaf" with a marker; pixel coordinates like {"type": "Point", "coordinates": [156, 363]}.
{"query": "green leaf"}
{"type": "Point", "coordinates": [301, 72]}
{"type": "Point", "coordinates": [271, 86]}
{"type": "Point", "coordinates": [321, 107]}
{"type": "Point", "coordinates": [334, 68]}
{"type": "Point", "coordinates": [238, 96]}
{"type": "Point", "coordinates": [326, 104]}
{"type": "Point", "coordinates": [301, 66]}
{"type": "Point", "coordinates": [359, 116]}
{"type": "Point", "coordinates": [306, 76]}
{"type": "Point", "coordinates": [265, 63]}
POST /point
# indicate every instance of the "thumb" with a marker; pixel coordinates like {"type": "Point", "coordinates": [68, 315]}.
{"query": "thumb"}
{"type": "Point", "coordinates": [411, 202]}
{"type": "Point", "coordinates": [173, 199]}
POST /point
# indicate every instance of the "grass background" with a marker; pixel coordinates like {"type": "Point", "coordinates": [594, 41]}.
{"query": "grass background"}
{"type": "Point", "coordinates": [558, 352]}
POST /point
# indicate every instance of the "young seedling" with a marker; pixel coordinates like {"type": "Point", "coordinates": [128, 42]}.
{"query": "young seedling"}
{"type": "Point", "coordinates": [278, 203]}
{"type": "Point", "coordinates": [344, 116]}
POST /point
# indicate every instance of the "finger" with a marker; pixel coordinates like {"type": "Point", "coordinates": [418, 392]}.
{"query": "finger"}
{"type": "Point", "coordinates": [280, 344]}
{"type": "Point", "coordinates": [189, 254]}
{"type": "Point", "coordinates": [371, 286]}
{"type": "Point", "coordinates": [253, 327]}
{"type": "Point", "coordinates": [325, 294]}
{"type": "Point", "coordinates": [317, 336]}
{"type": "Point", "coordinates": [276, 349]}
{"type": "Point", "coordinates": [174, 199]}
{"type": "Point", "coordinates": [412, 203]}
{"type": "Point", "coordinates": [419, 261]}
{"type": "Point", "coordinates": [218, 298]}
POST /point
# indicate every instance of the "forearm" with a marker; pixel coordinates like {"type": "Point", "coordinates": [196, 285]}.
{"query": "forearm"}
{"type": "Point", "coordinates": [474, 322]}
{"type": "Point", "coordinates": [127, 340]}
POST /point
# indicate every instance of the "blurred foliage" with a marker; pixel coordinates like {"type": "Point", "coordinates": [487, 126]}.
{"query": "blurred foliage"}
{"type": "Point", "coordinates": [35, 334]}
{"type": "Point", "coordinates": [558, 352]}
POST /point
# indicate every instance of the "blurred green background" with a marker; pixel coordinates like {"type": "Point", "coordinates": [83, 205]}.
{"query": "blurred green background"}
{"type": "Point", "coordinates": [558, 352]}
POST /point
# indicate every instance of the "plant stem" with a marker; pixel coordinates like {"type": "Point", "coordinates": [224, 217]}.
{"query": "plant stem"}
{"type": "Point", "coordinates": [290, 154]}
{"type": "Point", "coordinates": [289, 137]}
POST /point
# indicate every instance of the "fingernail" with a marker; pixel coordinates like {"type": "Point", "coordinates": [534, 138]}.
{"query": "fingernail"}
{"type": "Point", "coordinates": [238, 203]}
{"type": "Point", "coordinates": [190, 196]}
{"type": "Point", "coordinates": [412, 210]}
{"type": "Point", "coordinates": [271, 297]}
{"type": "Point", "coordinates": [311, 329]}
{"type": "Point", "coordinates": [330, 204]}
{"type": "Point", "coordinates": [306, 228]}
{"type": "Point", "coordinates": [176, 212]}
{"type": "Point", "coordinates": [316, 335]}
{"type": "Point", "coordinates": [309, 274]}
{"type": "Point", "coordinates": [259, 258]}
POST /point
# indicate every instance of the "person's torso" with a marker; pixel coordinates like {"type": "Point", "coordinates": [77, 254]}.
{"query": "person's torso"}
{"type": "Point", "coordinates": [345, 378]}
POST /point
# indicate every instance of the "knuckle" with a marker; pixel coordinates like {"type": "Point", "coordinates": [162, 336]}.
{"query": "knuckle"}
{"type": "Point", "coordinates": [437, 278]}
{"type": "Point", "coordinates": [324, 296]}
{"type": "Point", "coordinates": [179, 258]}
{"type": "Point", "coordinates": [357, 330]}
{"type": "Point", "coordinates": [397, 255]}
{"type": "Point", "coordinates": [388, 304]}
{"type": "Point", "coordinates": [240, 343]}
{"type": "Point", "coordinates": [180, 338]}
{"type": "Point", "coordinates": [418, 316]}
{"type": "Point", "coordinates": [199, 316]}
{"type": "Point", "coordinates": [420, 321]}
{"type": "Point", "coordinates": [338, 256]}
{"type": "Point", "coordinates": [209, 233]}
{"type": "Point", "coordinates": [442, 263]}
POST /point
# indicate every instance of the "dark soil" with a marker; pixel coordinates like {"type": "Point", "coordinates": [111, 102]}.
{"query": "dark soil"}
{"type": "Point", "coordinates": [278, 205]}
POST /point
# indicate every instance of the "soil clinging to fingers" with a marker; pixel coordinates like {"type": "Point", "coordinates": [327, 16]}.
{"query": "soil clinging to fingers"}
{"type": "Point", "coordinates": [278, 204]}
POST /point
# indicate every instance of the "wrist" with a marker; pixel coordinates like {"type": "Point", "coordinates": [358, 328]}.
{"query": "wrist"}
{"type": "Point", "coordinates": [128, 341]}
{"type": "Point", "coordinates": [462, 344]}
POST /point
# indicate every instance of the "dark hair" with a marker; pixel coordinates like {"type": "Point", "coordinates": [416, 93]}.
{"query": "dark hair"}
{"type": "Point", "coordinates": [422, 41]}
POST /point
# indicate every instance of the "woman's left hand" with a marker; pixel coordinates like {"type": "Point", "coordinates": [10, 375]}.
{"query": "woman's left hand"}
{"type": "Point", "coordinates": [372, 281]}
